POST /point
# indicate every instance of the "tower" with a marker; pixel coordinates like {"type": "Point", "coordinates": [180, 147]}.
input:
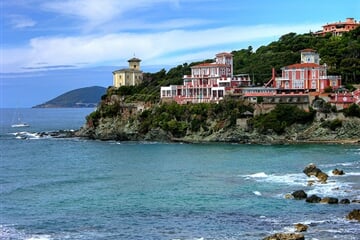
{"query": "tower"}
{"type": "Point", "coordinates": [134, 63]}
{"type": "Point", "coordinates": [310, 56]}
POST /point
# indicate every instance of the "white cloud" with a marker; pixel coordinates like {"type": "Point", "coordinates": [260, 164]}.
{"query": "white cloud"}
{"type": "Point", "coordinates": [160, 47]}
{"type": "Point", "coordinates": [95, 13]}
{"type": "Point", "coordinates": [20, 21]}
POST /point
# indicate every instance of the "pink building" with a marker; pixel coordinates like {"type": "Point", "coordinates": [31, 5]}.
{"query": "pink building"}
{"type": "Point", "coordinates": [307, 76]}
{"type": "Point", "coordinates": [344, 99]}
{"type": "Point", "coordinates": [338, 28]}
{"type": "Point", "coordinates": [208, 82]}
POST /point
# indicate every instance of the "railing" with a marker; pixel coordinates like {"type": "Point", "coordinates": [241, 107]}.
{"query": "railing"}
{"type": "Point", "coordinates": [282, 79]}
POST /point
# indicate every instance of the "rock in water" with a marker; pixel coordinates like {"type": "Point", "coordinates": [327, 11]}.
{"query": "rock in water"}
{"type": "Point", "coordinates": [285, 236]}
{"type": "Point", "coordinates": [299, 194]}
{"type": "Point", "coordinates": [338, 172]}
{"type": "Point", "coordinates": [322, 177]}
{"type": "Point", "coordinates": [345, 201]}
{"type": "Point", "coordinates": [329, 200]}
{"type": "Point", "coordinates": [354, 215]}
{"type": "Point", "coordinates": [311, 170]}
{"type": "Point", "coordinates": [313, 199]}
{"type": "Point", "coordinates": [299, 227]}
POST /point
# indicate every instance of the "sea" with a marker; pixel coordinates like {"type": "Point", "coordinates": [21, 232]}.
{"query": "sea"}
{"type": "Point", "coordinates": [53, 188]}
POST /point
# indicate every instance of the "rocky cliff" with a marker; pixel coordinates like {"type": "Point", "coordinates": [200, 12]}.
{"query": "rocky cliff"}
{"type": "Point", "coordinates": [319, 131]}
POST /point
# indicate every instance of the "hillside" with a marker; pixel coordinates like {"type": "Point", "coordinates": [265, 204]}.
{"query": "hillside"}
{"type": "Point", "coordinates": [82, 97]}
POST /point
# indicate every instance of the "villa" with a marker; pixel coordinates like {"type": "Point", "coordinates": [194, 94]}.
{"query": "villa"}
{"type": "Point", "coordinates": [208, 82]}
{"type": "Point", "coordinates": [338, 28]}
{"type": "Point", "coordinates": [128, 76]}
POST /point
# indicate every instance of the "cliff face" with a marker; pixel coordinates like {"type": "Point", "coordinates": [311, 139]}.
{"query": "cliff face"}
{"type": "Point", "coordinates": [227, 121]}
{"type": "Point", "coordinates": [119, 129]}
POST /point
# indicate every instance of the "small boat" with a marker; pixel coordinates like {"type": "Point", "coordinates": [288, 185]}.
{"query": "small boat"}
{"type": "Point", "coordinates": [20, 125]}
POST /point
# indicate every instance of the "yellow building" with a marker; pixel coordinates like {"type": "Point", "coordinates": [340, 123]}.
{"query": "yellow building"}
{"type": "Point", "coordinates": [128, 76]}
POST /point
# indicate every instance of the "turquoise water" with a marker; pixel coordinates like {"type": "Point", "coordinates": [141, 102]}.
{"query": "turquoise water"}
{"type": "Point", "coordinates": [79, 189]}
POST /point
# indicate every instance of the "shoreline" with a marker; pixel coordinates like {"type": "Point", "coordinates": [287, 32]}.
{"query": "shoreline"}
{"type": "Point", "coordinates": [75, 134]}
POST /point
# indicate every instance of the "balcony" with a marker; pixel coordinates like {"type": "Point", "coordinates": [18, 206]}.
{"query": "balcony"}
{"type": "Point", "coordinates": [282, 79]}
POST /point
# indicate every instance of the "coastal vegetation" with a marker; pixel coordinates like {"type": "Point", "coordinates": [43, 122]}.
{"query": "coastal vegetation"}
{"type": "Point", "coordinates": [281, 117]}
{"type": "Point", "coordinates": [179, 119]}
{"type": "Point", "coordinates": [340, 54]}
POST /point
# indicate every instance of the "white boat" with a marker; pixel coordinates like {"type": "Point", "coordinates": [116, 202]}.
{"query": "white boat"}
{"type": "Point", "coordinates": [20, 125]}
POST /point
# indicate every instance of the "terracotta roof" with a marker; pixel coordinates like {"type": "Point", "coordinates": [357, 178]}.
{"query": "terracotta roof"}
{"type": "Point", "coordinates": [209, 65]}
{"type": "Point", "coordinates": [308, 50]}
{"type": "Point", "coordinates": [224, 53]}
{"type": "Point", "coordinates": [304, 65]}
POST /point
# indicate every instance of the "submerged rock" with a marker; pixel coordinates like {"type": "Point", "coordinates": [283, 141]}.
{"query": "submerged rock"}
{"type": "Point", "coordinates": [285, 236]}
{"type": "Point", "coordinates": [329, 200]}
{"type": "Point", "coordinates": [289, 196]}
{"type": "Point", "coordinates": [354, 215]}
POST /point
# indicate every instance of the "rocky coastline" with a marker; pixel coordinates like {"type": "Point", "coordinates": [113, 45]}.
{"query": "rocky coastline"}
{"type": "Point", "coordinates": [118, 129]}
{"type": "Point", "coordinates": [319, 177]}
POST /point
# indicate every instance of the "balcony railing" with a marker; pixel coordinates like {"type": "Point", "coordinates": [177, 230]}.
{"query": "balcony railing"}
{"type": "Point", "coordinates": [282, 79]}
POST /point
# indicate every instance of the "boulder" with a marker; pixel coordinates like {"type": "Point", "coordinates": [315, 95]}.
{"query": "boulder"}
{"type": "Point", "coordinates": [354, 215]}
{"type": "Point", "coordinates": [299, 194]}
{"type": "Point", "coordinates": [285, 236]}
{"type": "Point", "coordinates": [299, 227]}
{"type": "Point", "coordinates": [338, 172]}
{"type": "Point", "coordinates": [329, 200]}
{"type": "Point", "coordinates": [311, 170]}
{"type": "Point", "coordinates": [355, 201]}
{"type": "Point", "coordinates": [289, 196]}
{"type": "Point", "coordinates": [322, 177]}
{"type": "Point", "coordinates": [313, 199]}
{"type": "Point", "coordinates": [345, 201]}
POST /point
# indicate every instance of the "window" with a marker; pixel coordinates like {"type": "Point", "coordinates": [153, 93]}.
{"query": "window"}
{"type": "Point", "coordinates": [313, 84]}
{"type": "Point", "coordinates": [286, 84]}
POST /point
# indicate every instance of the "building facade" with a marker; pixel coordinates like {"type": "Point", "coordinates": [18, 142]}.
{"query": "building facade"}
{"type": "Point", "coordinates": [338, 28]}
{"type": "Point", "coordinates": [128, 76]}
{"type": "Point", "coordinates": [307, 76]}
{"type": "Point", "coordinates": [208, 82]}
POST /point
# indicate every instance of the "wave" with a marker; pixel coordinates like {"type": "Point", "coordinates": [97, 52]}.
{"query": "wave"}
{"type": "Point", "coordinates": [336, 185]}
{"type": "Point", "coordinates": [290, 179]}
{"type": "Point", "coordinates": [26, 135]}
{"type": "Point", "coordinates": [10, 232]}
{"type": "Point", "coordinates": [257, 193]}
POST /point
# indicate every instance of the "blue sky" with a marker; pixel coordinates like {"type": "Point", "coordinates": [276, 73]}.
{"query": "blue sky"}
{"type": "Point", "coordinates": [49, 47]}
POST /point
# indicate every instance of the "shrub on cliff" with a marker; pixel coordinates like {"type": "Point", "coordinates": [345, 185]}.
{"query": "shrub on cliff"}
{"type": "Point", "coordinates": [281, 117]}
{"type": "Point", "coordinates": [352, 111]}
{"type": "Point", "coordinates": [332, 124]}
{"type": "Point", "coordinates": [178, 119]}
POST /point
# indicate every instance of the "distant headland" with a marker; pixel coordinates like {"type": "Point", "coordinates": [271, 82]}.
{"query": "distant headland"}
{"type": "Point", "coordinates": [87, 97]}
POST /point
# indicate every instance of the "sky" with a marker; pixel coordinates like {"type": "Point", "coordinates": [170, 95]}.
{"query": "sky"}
{"type": "Point", "coordinates": [49, 47]}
